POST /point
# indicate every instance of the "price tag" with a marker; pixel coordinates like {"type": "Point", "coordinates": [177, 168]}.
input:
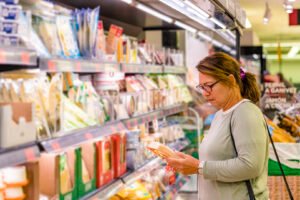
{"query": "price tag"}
{"type": "Point", "coordinates": [55, 145]}
{"type": "Point", "coordinates": [78, 66]}
{"type": "Point", "coordinates": [88, 136]}
{"type": "Point", "coordinates": [113, 129]}
{"type": "Point", "coordinates": [25, 58]}
{"type": "Point", "coordinates": [29, 154]}
{"type": "Point", "coordinates": [2, 57]}
{"type": "Point", "coordinates": [51, 65]}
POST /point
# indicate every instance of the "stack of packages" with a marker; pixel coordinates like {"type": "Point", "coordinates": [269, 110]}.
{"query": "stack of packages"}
{"type": "Point", "coordinates": [10, 13]}
{"type": "Point", "coordinates": [12, 181]}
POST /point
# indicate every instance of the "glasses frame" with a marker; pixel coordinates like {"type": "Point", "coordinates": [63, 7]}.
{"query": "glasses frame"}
{"type": "Point", "coordinates": [207, 88]}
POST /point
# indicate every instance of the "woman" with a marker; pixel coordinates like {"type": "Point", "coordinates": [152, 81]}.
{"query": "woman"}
{"type": "Point", "coordinates": [222, 171]}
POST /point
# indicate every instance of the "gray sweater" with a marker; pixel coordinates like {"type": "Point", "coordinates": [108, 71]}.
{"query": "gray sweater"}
{"type": "Point", "coordinates": [223, 175]}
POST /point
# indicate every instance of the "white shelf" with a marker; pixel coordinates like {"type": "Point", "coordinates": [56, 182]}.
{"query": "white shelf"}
{"type": "Point", "coordinates": [17, 56]}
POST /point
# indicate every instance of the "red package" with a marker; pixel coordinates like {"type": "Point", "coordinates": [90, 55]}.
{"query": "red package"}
{"type": "Point", "coordinates": [119, 148]}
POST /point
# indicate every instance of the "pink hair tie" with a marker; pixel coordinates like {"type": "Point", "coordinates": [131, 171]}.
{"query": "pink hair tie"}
{"type": "Point", "coordinates": [242, 73]}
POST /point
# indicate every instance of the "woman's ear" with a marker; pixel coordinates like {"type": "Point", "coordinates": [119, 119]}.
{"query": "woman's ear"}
{"type": "Point", "coordinates": [232, 79]}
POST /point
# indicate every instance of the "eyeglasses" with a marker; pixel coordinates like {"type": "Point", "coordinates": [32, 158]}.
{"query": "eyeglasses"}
{"type": "Point", "coordinates": [207, 88]}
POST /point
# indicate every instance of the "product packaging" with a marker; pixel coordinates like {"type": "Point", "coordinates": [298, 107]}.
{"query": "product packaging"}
{"type": "Point", "coordinates": [119, 147]}
{"type": "Point", "coordinates": [16, 124]}
{"type": "Point", "coordinates": [105, 153]}
{"type": "Point", "coordinates": [61, 179]}
{"type": "Point", "coordinates": [114, 34]}
{"type": "Point", "coordinates": [86, 168]}
{"type": "Point", "coordinates": [67, 37]}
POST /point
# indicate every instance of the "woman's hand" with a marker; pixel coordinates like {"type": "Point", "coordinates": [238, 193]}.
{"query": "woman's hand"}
{"type": "Point", "coordinates": [186, 164]}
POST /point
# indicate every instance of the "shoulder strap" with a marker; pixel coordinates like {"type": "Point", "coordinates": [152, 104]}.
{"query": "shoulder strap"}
{"type": "Point", "coordinates": [279, 163]}
{"type": "Point", "coordinates": [248, 184]}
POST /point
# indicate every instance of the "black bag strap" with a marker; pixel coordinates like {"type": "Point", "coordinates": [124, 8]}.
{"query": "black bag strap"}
{"type": "Point", "coordinates": [248, 184]}
{"type": "Point", "coordinates": [279, 163]}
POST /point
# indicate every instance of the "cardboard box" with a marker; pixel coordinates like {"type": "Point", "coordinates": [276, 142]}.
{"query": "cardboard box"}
{"type": "Point", "coordinates": [105, 170]}
{"type": "Point", "coordinates": [86, 163]}
{"type": "Point", "coordinates": [32, 189]}
{"type": "Point", "coordinates": [58, 175]}
{"type": "Point", "coordinates": [16, 124]}
{"type": "Point", "coordinates": [119, 149]}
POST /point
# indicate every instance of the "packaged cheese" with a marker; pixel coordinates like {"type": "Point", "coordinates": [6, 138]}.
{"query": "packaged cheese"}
{"type": "Point", "coordinates": [16, 193]}
{"type": "Point", "coordinates": [15, 176]}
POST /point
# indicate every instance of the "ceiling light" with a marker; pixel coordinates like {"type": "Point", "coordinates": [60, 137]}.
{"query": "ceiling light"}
{"type": "Point", "coordinates": [196, 13]}
{"type": "Point", "coordinates": [127, 1]}
{"type": "Point", "coordinates": [233, 52]}
{"type": "Point", "coordinates": [186, 27]}
{"type": "Point", "coordinates": [291, 0]}
{"type": "Point", "coordinates": [179, 3]}
{"type": "Point", "coordinates": [289, 11]}
{"type": "Point", "coordinates": [248, 23]}
{"type": "Point", "coordinates": [154, 13]}
{"type": "Point", "coordinates": [217, 43]}
{"type": "Point", "coordinates": [204, 36]}
{"type": "Point", "coordinates": [293, 52]}
{"type": "Point", "coordinates": [230, 33]}
{"type": "Point", "coordinates": [199, 10]}
{"type": "Point", "coordinates": [217, 22]}
{"type": "Point", "coordinates": [226, 48]}
{"type": "Point", "coordinates": [267, 14]}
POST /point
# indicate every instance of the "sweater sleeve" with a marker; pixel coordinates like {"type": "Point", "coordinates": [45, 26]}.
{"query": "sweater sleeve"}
{"type": "Point", "coordinates": [250, 137]}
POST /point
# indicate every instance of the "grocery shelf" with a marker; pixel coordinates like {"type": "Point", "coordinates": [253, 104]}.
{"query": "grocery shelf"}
{"type": "Point", "coordinates": [79, 136]}
{"type": "Point", "coordinates": [112, 188]}
{"type": "Point", "coordinates": [17, 56]}
{"type": "Point", "coordinates": [77, 65]}
{"type": "Point", "coordinates": [82, 135]}
{"type": "Point", "coordinates": [174, 109]}
{"type": "Point", "coordinates": [141, 68]}
{"type": "Point", "coordinates": [18, 155]}
{"type": "Point", "coordinates": [175, 70]}
{"type": "Point", "coordinates": [129, 123]}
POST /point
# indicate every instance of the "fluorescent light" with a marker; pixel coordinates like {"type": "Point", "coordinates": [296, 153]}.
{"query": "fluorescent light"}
{"type": "Point", "coordinates": [204, 36]}
{"type": "Point", "coordinates": [230, 33]}
{"type": "Point", "coordinates": [288, 7]}
{"type": "Point", "coordinates": [179, 3]}
{"type": "Point", "coordinates": [214, 20]}
{"type": "Point", "coordinates": [196, 13]}
{"type": "Point", "coordinates": [233, 52]}
{"type": "Point", "coordinates": [127, 1]}
{"type": "Point", "coordinates": [154, 13]}
{"type": "Point", "coordinates": [217, 43]}
{"type": "Point", "coordinates": [199, 10]}
{"type": "Point", "coordinates": [226, 48]}
{"type": "Point", "coordinates": [186, 27]}
{"type": "Point", "coordinates": [294, 51]}
{"type": "Point", "coordinates": [248, 23]}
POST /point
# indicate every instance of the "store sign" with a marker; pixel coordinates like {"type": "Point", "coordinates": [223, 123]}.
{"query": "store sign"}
{"type": "Point", "coordinates": [294, 17]}
{"type": "Point", "coordinates": [277, 95]}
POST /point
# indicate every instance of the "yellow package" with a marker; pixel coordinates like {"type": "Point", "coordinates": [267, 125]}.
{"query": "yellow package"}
{"type": "Point", "coordinates": [85, 173]}
{"type": "Point", "coordinates": [136, 191]}
{"type": "Point", "coordinates": [65, 176]}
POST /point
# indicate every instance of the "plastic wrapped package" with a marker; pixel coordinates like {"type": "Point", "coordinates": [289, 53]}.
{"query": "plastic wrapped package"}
{"type": "Point", "coordinates": [47, 30]}
{"type": "Point", "coordinates": [87, 23]}
{"type": "Point", "coordinates": [66, 36]}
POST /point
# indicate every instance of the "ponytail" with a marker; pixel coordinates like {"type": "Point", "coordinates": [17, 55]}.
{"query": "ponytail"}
{"type": "Point", "coordinates": [249, 87]}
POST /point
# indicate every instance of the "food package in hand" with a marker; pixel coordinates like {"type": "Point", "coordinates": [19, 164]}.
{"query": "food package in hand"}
{"type": "Point", "coordinates": [162, 150]}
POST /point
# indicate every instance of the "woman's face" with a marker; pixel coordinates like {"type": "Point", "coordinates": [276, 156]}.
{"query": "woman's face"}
{"type": "Point", "coordinates": [214, 91]}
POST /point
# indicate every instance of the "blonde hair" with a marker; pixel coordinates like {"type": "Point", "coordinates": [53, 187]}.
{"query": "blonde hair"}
{"type": "Point", "coordinates": [221, 65]}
